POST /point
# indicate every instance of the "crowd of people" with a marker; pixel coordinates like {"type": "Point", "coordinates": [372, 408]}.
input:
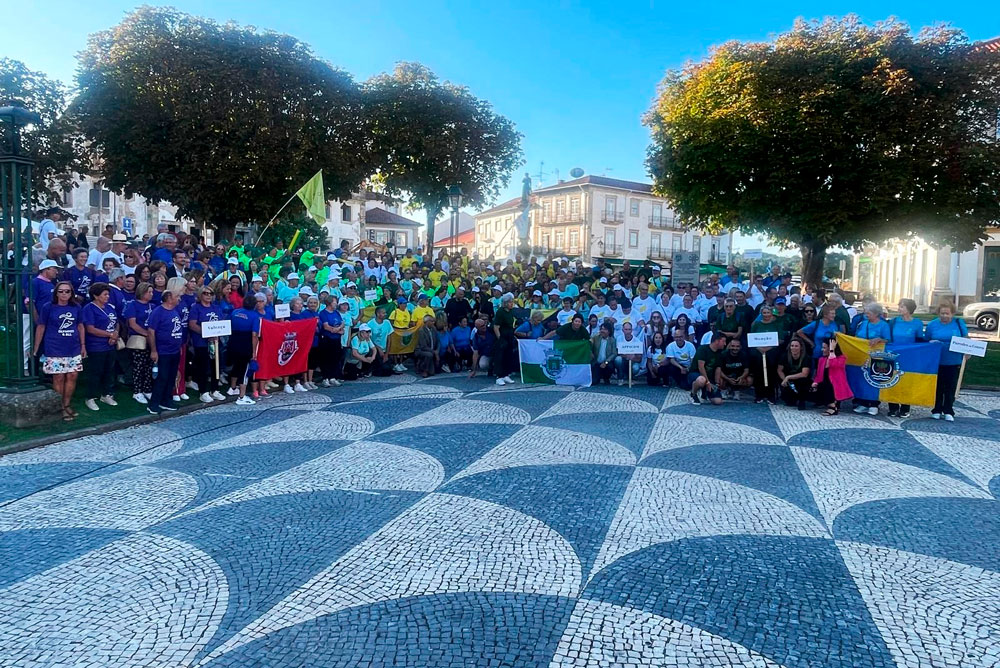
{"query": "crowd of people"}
{"type": "Point", "coordinates": [130, 313]}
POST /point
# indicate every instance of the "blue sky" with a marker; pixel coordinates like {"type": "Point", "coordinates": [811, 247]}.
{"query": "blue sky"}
{"type": "Point", "coordinates": [575, 77]}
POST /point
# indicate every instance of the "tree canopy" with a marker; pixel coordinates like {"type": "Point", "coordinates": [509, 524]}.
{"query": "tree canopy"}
{"type": "Point", "coordinates": [835, 133]}
{"type": "Point", "coordinates": [223, 121]}
{"type": "Point", "coordinates": [428, 135]}
{"type": "Point", "coordinates": [54, 145]}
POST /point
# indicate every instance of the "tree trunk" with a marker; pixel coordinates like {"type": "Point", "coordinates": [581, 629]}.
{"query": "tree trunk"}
{"type": "Point", "coordinates": [432, 215]}
{"type": "Point", "coordinates": [813, 259]}
{"type": "Point", "coordinates": [226, 231]}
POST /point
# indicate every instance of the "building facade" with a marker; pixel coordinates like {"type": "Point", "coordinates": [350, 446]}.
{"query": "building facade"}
{"type": "Point", "coordinates": [95, 207]}
{"type": "Point", "coordinates": [380, 221]}
{"type": "Point", "coordinates": [598, 217]}
{"type": "Point", "coordinates": [914, 269]}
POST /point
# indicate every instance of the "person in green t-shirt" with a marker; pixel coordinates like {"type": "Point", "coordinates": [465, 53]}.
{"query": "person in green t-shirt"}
{"type": "Point", "coordinates": [706, 359]}
{"type": "Point", "coordinates": [503, 328]}
{"type": "Point", "coordinates": [728, 322]}
{"type": "Point", "coordinates": [764, 359]}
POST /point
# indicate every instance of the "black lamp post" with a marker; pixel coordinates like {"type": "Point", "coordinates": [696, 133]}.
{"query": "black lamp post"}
{"type": "Point", "coordinates": [15, 198]}
{"type": "Point", "coordinates": [455, 198]}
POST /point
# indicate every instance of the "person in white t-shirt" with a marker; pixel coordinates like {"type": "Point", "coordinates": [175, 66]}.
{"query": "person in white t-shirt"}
{"type": "Point", "coordinates": [644, 304]}
{"type": "Point", "coordinates": [49, 228]}
{"type": "Point", "coordinates": [601, 308]}
{"type": "Point", "coordinates": [687, 308]}
{"type": "Point", "coordinates": [680, 353]}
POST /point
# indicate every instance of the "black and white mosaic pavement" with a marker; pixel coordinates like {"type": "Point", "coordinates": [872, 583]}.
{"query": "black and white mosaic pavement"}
{"type": "Point", "coordinates": [450, 522]}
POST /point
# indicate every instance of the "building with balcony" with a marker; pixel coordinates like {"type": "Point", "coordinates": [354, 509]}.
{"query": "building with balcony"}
{"type": "Point", "coordinates": [598, 217]}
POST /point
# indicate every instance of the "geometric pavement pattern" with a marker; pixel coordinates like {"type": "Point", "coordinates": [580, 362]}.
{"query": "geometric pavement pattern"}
{"type": "Point", "coordinates": [450, 522]}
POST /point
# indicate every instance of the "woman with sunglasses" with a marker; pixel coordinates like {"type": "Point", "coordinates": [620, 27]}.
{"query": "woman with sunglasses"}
{"type": "Point", "coordinates": [206, 309]}
{"type": "Point", "coordinates": [60, 334]}
{"type": "Point", "coordinates": [137, 316]}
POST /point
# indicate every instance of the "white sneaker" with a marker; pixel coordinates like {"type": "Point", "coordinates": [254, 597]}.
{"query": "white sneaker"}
{"type": "Point", "coordinates": [860, 409]}
{"type": "Point", "coordinates": [206, 398]}
{"type": "Point", "coordinates": [336, 382]}
{"type": "Point", "coordinates": [140, 397]}
{"type": "Point", "coordinates": [92, 405]}
{"type": "Point", "coordinates": [298, 388]}
{"type": "Point", "coordinates": [176, 398]}
{"type": "Point", "coordinates": [312, 386]}
{"type": "Point", "coordinates": [510, 381]}
{"type": "Point", "coordinates": [245, 401]}
{"type": "Point", "coordinates": [501, 381]}
{"type": "Point", "coordinates": [737, 396]}
{"type": "Point", "coordinates": [873, 410]}
{"type": "Point", "coordinates": [935, 416]}
{"type": "Point", "coordinates": [326, 382]}
{"type": "Point", "coordinates": [287, 389]}
{"type": "Point", "coordinates": [949, 417]}
{"type": "Point", "coordinates": [271, 385]}
{"type": "Point", "coordinates": [148, 395]}
{"type": "Point", "coordinates": [109, 400]}
{"type": "Point", "coordinates": [218, 396]}
{"type": "Point", "coordinates": [445, 368]}
{"type": "Point", "coordinates": [191, 385]}
{"type": "Point", "coordinates": [233, 392]}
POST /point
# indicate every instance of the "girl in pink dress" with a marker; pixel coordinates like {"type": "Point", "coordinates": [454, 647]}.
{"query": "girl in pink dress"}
{"type": "Point", "coordinates": [832, 366]}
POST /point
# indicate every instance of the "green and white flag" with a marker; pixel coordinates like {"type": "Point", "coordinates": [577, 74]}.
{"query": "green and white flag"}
{"type": "Point", "coordinates": [555, 362]}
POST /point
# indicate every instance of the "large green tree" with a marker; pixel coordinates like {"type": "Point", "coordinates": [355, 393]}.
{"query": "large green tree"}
{"type": "Point", "coordinates": [835, 133]}
{"type": "Point", "coordinates": [54, 145]}
{"type": "Point", "coordinates": [222, 120]}
{"type": "Point", "coordinates": [428, 135]}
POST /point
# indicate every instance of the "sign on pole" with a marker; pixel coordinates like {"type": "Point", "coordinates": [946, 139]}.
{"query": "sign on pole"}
{"type": "Point", "coordinates": [753, 254]}
{"type": "Point", "coordinates": [127, 225]}
{"type": "Point", "coordinates": [685, 267]}
{"type": "Point", "coordinates": [282, 310]}
{"type": "Point", "coordinates": [371, 295]}
{"type": "Point", "coordinates": [633, 347]}
{"type": "Point", "coordinates": [762, 339]}
{"type": "Point", "coordinates": [961, 344]}
{"type": "Point", "coordinates": [214, 328]}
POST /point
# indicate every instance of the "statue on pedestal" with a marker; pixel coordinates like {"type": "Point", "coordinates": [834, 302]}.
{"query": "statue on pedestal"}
{"type": "Point", "coordinates": [522, 224]}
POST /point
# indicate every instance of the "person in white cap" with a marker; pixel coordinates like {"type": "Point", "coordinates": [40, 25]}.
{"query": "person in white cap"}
{"type": "Point", "coordinates": [290, 289]}
{"type": "Point", "coordinates": [361, 355]}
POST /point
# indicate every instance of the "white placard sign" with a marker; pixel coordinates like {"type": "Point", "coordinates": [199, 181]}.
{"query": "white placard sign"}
{"type": "Point", "coordinates": [213, 328]}
{"type": "Point", "coordinates": [754, 254]}
{"type": "Point", "coordinates": [633, 347]}
{"type": "Point", "coordinates": [762, 339]}
{"type": "Point", "coordinates": [371, 295]}
{"type": "Point", "coordinates": [960, 344]}
{"type": "Point", "coordinates": [282, 310]}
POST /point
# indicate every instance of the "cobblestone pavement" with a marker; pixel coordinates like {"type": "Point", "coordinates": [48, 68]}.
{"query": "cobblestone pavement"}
{"type": "Point", "coordinates": [450, 522]}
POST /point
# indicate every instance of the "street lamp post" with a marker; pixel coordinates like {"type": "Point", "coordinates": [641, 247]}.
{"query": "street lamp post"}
{"type": "Point", "coordinates": [455, 198]}
{"type": "Point", "coordinates": [15, 196]}
{"type": "Point", "coordinates": [23, 402]}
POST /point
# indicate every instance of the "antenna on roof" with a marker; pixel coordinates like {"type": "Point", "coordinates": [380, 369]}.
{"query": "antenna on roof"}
{"type": "Point", "coordinates": [540, 176]}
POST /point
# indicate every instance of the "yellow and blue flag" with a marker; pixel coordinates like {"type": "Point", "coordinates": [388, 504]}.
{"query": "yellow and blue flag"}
{"type": "Point", "coordinates": [904, 373]}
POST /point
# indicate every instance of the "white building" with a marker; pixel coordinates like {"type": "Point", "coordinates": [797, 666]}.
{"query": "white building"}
{"type": "Point", "coordinates": [598, 217]}
{"type": "Point", "coordinates": [914, 269]}
{"type": "Point", "coordinates": [381, 221]}
{"type": "Point", "coordinates": [96, 207]}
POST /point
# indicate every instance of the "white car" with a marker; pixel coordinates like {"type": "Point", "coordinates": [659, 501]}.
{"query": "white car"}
{"type": "Point", "coordinates": [985, 315]}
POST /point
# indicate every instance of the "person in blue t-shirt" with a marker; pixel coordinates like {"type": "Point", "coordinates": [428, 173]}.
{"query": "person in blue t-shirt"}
{"type": "Point", "coordinates": [876, 331]}
{"type": "Point", "coordinates": [818, 330]}
{"type": "Point", "coordinates": [242, 348]}
{"type": "Point", "coordinates": [905, 329]}
{"type": "Point", "coordinates": [202, 311]}
{"type": "Point", "coordinates": [136, 317]}
{"type": "Point", "coordinates": [943, 328]}
{"type": "Point", "coordinates": [166, 336]}
{"type": "Point", "coordinates": [59, 333]}
{"type": "Point", "coordinates": [461, 341]}
{"type": "Point", "coordinates": [331, 356]}
{"type": "Point", "coordinates": [100, 325]}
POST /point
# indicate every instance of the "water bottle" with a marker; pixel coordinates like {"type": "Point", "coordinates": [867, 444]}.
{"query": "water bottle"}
{"type": "Point", "coordinates": [156, 371]}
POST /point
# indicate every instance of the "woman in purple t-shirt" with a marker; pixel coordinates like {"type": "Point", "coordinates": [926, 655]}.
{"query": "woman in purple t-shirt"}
{"type": "Point", "coordinates": [100, 327]}
{"type": "Point", "coordinates": [59, 333]}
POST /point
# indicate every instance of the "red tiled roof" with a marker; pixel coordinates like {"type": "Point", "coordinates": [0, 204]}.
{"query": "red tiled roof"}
{"type": "Point", "coordinates": [509, 204]}
{"type": "Point", "coordinates": [467, 237]}
{"type": "Point", "coordinates": [992, 45]}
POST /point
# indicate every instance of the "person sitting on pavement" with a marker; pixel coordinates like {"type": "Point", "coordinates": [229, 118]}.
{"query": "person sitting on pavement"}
{"type": "Point", "coordinates": [733, 373]}
{"type": "Point", "coordinates": [706, 360]}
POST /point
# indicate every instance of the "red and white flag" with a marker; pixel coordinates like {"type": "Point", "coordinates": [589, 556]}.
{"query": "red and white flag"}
{"type": "Point", "coordinates": [284, 348]}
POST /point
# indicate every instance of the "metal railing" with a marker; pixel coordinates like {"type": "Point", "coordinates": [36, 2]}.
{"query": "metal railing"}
{"type": "Point", "coordinates": [659, 254]}
{"type": "Point", "coordinates": [664, 223]}
{"type": "Point", "coordinates": [612, 216]}
{"type": "Point", "coordinates": [615, 250]}
{"type": "Point", "coordinates": [562, 218]}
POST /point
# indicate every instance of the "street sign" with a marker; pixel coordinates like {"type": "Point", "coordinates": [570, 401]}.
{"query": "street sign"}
{"type": "Point", "coordinates": [213, 328]}
{"type": "Point", "coordinates": [843, 266]}
{"type": "Point", "coordinates": [754, 254]}
{"type": "Point", "coordinates": [127, 225]}
{"type": "Point", "coordinates": [762, 339]}
{"type": "Point", "coordinates": [960, 344]}
{"type": "Point", "coordinates": [685, 267]}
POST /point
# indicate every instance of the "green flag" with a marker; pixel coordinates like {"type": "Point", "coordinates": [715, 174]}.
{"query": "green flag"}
{"type": "Point", "coordinates": [313, 196]}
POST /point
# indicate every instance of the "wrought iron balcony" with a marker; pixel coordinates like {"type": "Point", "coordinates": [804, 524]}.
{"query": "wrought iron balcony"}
{"type": "Point", "coordinates": [613, 251]}
{"type": "Point", "coordinates": [659, 254]}
{"type": "Point", "coordinates": [668, 222]}
{"type": "Point", "coordinates": [562, 218]}
{"type": "Point", "coordinates": [612, 217]}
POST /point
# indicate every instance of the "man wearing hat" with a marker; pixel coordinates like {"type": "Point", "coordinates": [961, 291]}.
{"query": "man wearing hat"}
{"type": "Point", "coordinates": [119, 242]}
{"type": "Point", "coordinates": [422, 310]}
{"type": "Point", "coordinates": [289, 289]}
{"type": "Point", "coordinates": [233, 269]}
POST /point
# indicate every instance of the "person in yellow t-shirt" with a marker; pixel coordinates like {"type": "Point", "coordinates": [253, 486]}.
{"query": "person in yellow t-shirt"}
{"type": "Point", "coordinates": [422, 310]}
{"type": "Point", "coordinates": [436, 275]}
{"type": "Point", "coordinates": [407, 260]}
{"type": "Point", "coordinates": [400, 317]}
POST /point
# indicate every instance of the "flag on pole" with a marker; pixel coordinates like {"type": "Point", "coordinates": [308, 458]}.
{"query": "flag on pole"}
{"type": "Point", "coordinates": [295, 240]}
{"type": "Point", "coordinates": [555, 362]}
{"type": "Point", "coordinates": [284, 347]}
{"type": "Point", "coordinates": [314, 197]}
{"type": "Point", "coordinates": [903, 373]}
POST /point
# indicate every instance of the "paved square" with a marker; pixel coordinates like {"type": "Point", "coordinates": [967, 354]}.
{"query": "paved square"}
{"type": "Point", "coordinates": [450, 522]}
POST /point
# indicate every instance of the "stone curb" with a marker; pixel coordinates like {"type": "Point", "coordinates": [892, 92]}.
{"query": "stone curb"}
{"type": "Point", "coordinates": [97, 430]}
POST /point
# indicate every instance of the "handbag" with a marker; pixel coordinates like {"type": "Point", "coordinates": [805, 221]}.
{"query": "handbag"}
{"type": "Point", "coordinates": [121, 344]}
{"type": "Point", "coordinates": [136, 342]}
